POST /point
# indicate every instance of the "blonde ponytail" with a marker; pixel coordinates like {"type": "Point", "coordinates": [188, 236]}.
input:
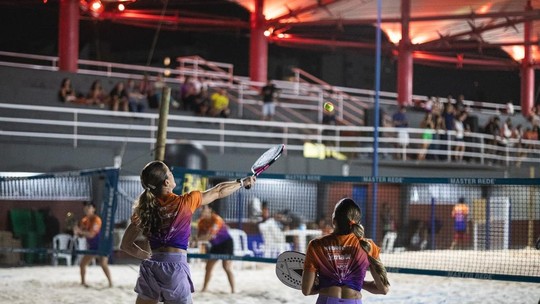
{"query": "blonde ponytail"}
{"type": "Point", "coordinates": [146, 208]}
{"type": "Point", "coordinates": [358, 230]}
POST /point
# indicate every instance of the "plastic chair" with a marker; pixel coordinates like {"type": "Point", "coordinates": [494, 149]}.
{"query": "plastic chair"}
{"type": "Point", "coordinates": [273, 238]}
{"type": "Point", "coordinates": [63, 242]}
{"type": "Point", "coordinates": [81, 244]}
{"type": "Point", "coordinates": [240, 243]}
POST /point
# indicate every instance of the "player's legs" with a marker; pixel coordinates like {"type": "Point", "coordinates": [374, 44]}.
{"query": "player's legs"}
{"type": "Point", "coordinates": [85, 261]}
{"type": "Point", "coordinates": [145, 301]}
{"type": "Point", "coordinates": [227, 266]}
{"type": "Point", "coordinates": [104, 263]}
{"type": "Point", "coordinates": [209, 267]}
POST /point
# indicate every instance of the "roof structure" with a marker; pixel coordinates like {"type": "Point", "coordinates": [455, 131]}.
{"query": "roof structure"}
{"type": "Point", "coordinates": [447, 28]}
{"type": "Point", "coordinates": [472, 33]}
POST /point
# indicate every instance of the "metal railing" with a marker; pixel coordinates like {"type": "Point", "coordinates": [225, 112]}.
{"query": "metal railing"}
{"type": "Point", "coordinates": [74, 125]}
{"type": "Point", "coordinates": [306, 92]}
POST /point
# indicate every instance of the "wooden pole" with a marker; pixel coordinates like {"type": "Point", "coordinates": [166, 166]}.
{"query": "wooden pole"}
{"type": "Point", "coordinates": [161, 139]}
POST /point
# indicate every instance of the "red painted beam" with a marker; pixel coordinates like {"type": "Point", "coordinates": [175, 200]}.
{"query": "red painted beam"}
{"type": "Point", "coordinates": [133, 15]}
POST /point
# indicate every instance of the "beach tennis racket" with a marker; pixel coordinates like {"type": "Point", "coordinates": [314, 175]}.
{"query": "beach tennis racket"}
{"type": "Point", "coordinates": [266, 160]}
{"type": "Point", "coordinates": [290, 267]}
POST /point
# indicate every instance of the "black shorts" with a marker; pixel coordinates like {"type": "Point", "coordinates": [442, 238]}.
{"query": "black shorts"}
{"type": "Point", "coordinates": [227, 247]}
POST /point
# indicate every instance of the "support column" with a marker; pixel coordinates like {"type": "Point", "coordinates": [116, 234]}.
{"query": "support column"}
{"type": "Point", "coordinates": [405, 60]}
{"type": "Point", "coordinates": [527, 71]}
{"type": "Point", "coordinates": [68, 35]}
{"type": "Point", "coordinates": [258, 46]}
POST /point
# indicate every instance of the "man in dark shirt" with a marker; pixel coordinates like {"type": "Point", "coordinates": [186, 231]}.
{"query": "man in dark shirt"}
{"type": "Point", "coordinates": [268, 92]}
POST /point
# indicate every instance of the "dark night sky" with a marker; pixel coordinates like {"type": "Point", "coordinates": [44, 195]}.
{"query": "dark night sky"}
{"type": "Point", "coordinates": [33, 29]}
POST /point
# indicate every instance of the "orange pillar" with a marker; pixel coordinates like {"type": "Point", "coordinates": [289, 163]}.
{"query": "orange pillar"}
{"type": "Point", "coordinates": [405, 60]}
{"type": "Point", "coordinates": [527, 71]}
{"type": "Point", "coordinates": [258, 46]}
{"type": "Point", "coordinates": [68, 35]}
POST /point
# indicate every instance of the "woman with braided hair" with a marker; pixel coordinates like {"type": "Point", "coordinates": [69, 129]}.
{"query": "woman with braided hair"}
{"type": "Point", "coordinates": [336, 264]}
{"type": "Point", "coordinates": [164, 218]}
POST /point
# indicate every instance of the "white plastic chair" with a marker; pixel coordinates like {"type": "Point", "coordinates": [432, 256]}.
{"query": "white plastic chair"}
{"type": "Point", "coordinates": [273, 238]}
{"type": "Point", "coordinates": [240, 243]}
{"type": "Point", "coordinates": [64, 242]}
{"type": "Point", "coordinates": [81, 244]}
{"type": "Point", "coordinates": [388, 242]}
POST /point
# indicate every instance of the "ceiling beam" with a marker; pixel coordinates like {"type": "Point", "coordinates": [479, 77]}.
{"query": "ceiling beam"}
{"type": "Point", "coordinates": [534, 14]}
{"type": "Point", "coordinates": [134, 17]}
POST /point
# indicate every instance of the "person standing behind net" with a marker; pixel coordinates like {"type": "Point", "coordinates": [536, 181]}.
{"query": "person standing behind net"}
{"type": "Point", "coordinates": [89, 227]}
{"type": "Point", "coordinates": [268, 92]}
{"type": "Point", "coordinates": [212, 228]}
{"type": "Point", "coordinates": [460, 214]}
{"type": "Point", "coordinates": [165, 219]}
{"type": "Point", "coordinates": [336, 264]}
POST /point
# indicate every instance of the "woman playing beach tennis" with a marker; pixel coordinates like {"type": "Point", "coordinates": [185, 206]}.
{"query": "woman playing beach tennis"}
{"type": "Point", "coordinates": [165, 219]}
{"type": "Point", "coordinates": [89, 227]}
{"type": "Point", "coordinates": [212, 228]}
{"type": "Point", "coordinates": [336, 264]}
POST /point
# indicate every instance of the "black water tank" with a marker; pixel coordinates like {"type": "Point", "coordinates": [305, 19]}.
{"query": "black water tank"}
{"type": "Point", "coordinates": [187, 155]}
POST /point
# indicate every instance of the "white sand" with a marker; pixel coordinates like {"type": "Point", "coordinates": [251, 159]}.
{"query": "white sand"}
{"type": "Point", "coordinates": [61, 285]}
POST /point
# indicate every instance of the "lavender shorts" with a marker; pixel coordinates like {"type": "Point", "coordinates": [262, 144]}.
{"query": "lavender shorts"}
{"type": "Point", "coordinates": [329, 300]}
{"type": "Point", "coordinates": [166, 278]}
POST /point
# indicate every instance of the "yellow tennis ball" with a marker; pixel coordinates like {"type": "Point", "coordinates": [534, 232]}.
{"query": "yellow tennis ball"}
{"type": "Point", "coordinates": [328, 106]}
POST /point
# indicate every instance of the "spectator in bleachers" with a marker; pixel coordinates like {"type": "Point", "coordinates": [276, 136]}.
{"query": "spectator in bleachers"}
{"type": "Point", "coordinates": [506, 132]}
{"type": "Point", "coordinates": [440, 130]}
{"type": "Point", "coordinates": [428, 105]}
{"type": "Point", "coordinates": [460, 105]}
{"type": "Point", "coordinates": [136, 99]}
{"type": "Point", "coordinates": [188, 93]}
{"type": "Point", "coordinates": [219, 106]}
{"type": "Point", "coordinates": [448, 116]}
{"type": "Point", "coordinates": [427, 135]}
{"type": "Point", "coordinates": [492, 130]}
{"type": "Point", "coordinates": [97, 95]}
{"type": "Point", "coordinates": [67, 94]}
{"type": "Point", "coordinates": [119, 98]}
{"type": "Point", "coordinates": [510, 108]}
{"type": "Point", "coordinates": [202, 104]}
{"type": "Point", "coordinates": [437, 108]}
{"type": "Point", "coordinates": [400, 121]}
{"type": "Point", "coordinates": [269, 94]}
{"type": "Point", "coordinates": [461, 128]}
{"type": "Point", "coordinates": [154, 98]}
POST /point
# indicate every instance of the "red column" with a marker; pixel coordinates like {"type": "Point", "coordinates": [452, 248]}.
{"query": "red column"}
{"type": "Point", "coordinates": [258, 46]}
{"type": "Point", "coordinates": [527, 71]}
{"type": "Point", "coordinates": [405, 60]}
{"type": "Point", "coordinates": [68, 35]}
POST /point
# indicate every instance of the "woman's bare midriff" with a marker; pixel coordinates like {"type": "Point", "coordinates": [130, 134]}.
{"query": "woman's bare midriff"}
{"type": "Point", "coordinates": [341, 292]}
{"type": "Point", "coordinates": [169, 249]}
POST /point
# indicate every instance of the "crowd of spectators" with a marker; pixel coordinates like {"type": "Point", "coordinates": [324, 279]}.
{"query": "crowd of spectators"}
{"type": "Point", "coordinates": [448, 126]}
{"type": "Point", "coordinates": [139, 95]}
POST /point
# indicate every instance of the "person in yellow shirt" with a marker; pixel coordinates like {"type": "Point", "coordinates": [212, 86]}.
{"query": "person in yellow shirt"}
{"type": "Point", "coordinates": [219, 104]}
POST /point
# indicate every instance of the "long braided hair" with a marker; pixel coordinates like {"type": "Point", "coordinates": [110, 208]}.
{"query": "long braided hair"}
{"type": "Point", "coordinates": [146, 208]}
{"type": "Point", "coordinates": [347, 217]}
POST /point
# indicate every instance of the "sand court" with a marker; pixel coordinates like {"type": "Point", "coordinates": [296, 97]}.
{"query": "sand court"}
{"type": "Point", "coordinates": [60, 285]}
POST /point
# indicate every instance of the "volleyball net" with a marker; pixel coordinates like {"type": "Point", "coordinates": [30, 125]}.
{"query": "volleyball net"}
{"type": "Point", "coordinates": [465, 227]}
